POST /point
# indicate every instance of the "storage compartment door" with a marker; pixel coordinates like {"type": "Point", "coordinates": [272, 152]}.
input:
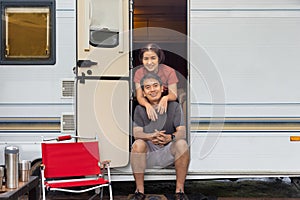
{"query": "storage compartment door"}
{"type": "Point", "coordinates": [103, 111]}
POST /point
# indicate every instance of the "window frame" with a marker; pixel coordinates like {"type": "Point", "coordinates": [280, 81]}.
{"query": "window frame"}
{"type": "Point", "coordinates": [52, 23]}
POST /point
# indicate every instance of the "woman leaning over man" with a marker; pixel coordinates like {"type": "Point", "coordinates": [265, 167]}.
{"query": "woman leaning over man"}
{"type": "Point", "coordinates": [152, 57]}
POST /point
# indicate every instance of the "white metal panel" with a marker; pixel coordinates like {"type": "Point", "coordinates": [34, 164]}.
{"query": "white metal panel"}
{"type": "Point", "coordinates": [244, 153]}
{"type": "Point", "coordinates": [35, 109]}
{"type": "Point", "coordinates": [65, 4]}
{"type": "Point", "coordinates": [35, 90]}
{"type": "Point", "coordinates": [244, 110]}
{"type": "Point", "coordinates": [242, 4]}
{"type": "Point", "coordinates": [253, 56]}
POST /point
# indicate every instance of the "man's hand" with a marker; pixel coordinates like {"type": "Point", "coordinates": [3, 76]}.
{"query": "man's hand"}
{"type": "Point", "coordinates": [161, 138]}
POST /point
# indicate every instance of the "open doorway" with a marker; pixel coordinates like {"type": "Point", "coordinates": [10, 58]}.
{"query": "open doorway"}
{"type": "Point", "coordinates": [165, 24]}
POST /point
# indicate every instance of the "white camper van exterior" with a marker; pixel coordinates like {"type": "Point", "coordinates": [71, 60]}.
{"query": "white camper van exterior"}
{"type": "Point", "coordinates": [239, 77]}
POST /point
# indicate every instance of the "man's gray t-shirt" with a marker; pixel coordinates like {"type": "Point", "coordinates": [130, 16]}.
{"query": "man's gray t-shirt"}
{"type": "Point", "coordinates": [159, 156]}
{"type": "Point", "coordinates": [168, 121]}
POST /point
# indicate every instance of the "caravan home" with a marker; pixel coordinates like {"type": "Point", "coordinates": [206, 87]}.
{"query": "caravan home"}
{"type": "Point", "coordinates": [67, 67]}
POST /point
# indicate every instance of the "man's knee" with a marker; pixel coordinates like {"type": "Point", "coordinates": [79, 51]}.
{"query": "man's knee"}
{"type": "Point", "coordinates": [139, 146]}
{"type": "Point", "coordinates": [180, 147]}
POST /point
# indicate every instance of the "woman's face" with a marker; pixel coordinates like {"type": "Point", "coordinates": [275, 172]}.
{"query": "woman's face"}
{"type": "Point", "coordinates": [150, 61]}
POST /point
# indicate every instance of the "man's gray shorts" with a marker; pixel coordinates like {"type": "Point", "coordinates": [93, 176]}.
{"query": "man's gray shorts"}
{"type": "Point", "coordinates": [159, 156]}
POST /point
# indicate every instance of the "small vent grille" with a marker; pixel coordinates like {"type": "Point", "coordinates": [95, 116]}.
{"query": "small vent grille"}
{"type": "Point", "coordinates": [67, 123]}
{"type": "Point", "coordinates": [67, 88]}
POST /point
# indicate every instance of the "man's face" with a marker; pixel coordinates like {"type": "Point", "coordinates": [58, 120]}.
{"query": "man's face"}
{"type": "Point", "coordinates": [152, 90]}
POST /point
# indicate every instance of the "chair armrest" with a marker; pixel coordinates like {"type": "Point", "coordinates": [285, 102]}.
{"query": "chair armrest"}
{"type": "Point", "coordinates": [104, 164]}
{"type": "Point", "coordinates": [42, 166]}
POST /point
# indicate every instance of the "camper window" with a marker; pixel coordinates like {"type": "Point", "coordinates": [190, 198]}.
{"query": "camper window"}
{"type": "Point", "coordinates": [27, 34]}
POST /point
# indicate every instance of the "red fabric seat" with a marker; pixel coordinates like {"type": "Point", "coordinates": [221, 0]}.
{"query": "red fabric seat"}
{"type": "Point", "coordinates": [74, 164]}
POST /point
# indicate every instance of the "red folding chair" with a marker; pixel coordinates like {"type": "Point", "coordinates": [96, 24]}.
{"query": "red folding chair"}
{"type": "Point", "coordinates": [73, 167]}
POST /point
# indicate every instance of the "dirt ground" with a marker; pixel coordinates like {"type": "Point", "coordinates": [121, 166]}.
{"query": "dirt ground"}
{"type": "Point", "coordinates": [276, 188]}
{"type": "Point", "coordinates": [205, 190]}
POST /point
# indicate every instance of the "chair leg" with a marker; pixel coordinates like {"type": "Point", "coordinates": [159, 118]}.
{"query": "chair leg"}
{"type": "Point", "coordinates": [92, 197]}
{"type": "Point", "coordinates": [43, 186]}
{"type": "Point", "coordinates": [97, 192]}
{"type": "Point", "coordinates": [44, 195]}
{"type": "Point", "coordinates": [110, 192]}
{"type": "Point", "coordinates": [101, 193]}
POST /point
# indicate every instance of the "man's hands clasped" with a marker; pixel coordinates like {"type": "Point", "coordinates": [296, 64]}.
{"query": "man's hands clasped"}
{"type": "Point", "coordinates": [160, 138]}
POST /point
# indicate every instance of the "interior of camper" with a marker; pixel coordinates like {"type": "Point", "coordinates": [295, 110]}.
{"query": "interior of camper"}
{"type": "Point", "coordinates": [165, 24]}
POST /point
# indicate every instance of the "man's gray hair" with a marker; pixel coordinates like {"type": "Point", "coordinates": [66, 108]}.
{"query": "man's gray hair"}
{"type": "Point", "coordinates": [150, 76]}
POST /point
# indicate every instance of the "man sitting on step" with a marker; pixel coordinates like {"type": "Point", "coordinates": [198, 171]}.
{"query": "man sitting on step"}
{"type": "Point", "coordinates": [159, 143]}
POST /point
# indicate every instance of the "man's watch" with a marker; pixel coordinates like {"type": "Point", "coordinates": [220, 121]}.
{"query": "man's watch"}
{"type": "Point", "coordinates": [173, 137]}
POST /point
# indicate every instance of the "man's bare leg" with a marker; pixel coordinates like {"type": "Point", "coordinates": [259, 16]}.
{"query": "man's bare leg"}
{"type": "Point", "coordinates": [138, 163]}
{"type": "Point", "coordinates": [182, 158]}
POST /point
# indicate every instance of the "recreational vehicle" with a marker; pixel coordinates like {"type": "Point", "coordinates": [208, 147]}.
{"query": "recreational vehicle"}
{"type": "Point", "coordinates": [67, 67]}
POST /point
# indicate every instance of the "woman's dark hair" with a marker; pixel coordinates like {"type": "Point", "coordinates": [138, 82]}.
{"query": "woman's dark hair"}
{"type": "Point", "coordinates": [150, 76]}
{"type": "Point", "coordinates": [156, 49]}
